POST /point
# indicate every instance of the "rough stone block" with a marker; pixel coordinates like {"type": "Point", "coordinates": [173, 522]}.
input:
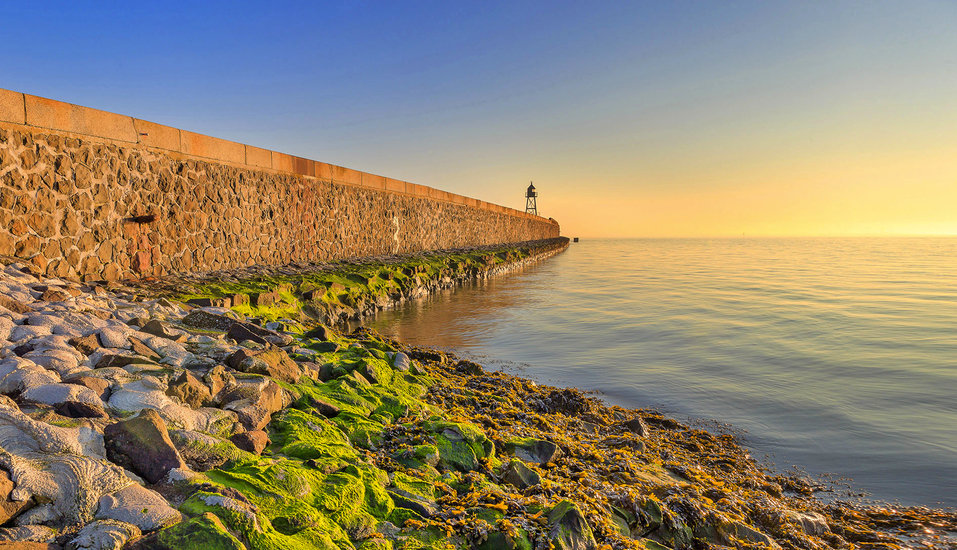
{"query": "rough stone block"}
{"type": "Point", "coordinates": [199, 145]}
{"type": "Point", "coordinates": [258, 157]}
{"type": "Point", "coordinates": [397, 186]}
{"type": "Point", "coordinates": [151, 134]}
{"type": "Point", "coordinates": [282, 162]}
{"type": "Point", "coordinates": [346, 175]}
{"type": "Point", "coordinates": [323, 171]}
{"type": "Point", "coordinates": [372, 180]}
{"type": "Point", "coordinates": [47, 113]}
{"type": "Point", "coordinates": [12, 107]}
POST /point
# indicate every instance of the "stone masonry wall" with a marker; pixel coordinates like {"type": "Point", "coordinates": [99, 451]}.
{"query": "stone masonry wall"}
{"type": "Point", "coordinates": [86, 208]}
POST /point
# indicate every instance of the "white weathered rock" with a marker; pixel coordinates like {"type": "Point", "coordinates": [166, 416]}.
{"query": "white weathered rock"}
{"type": "Point", "coordinates": [47, 464]}
{"type": "Point", "coordinates": [112, 338]}
{"type": "Point", "coordinates": [55, 394]}
{"type": "Point", "coordinates": [62, 361]}
{"type": "Point", "coordinates": [139, 506]}
{"type": "Point", "coordinates": [6, 325]}
{"type": "Point", "coordinates": [105, 534]}
{"type": "Point", "coordinates": [28, 533]}
{"type": "Point", "coordinates": [22, 333]}
{"type": "Point", "coordinates": [18, 374]}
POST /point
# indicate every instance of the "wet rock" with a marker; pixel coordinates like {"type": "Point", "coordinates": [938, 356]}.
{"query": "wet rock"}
{"type": "Point", "coordinates": [99, 386]}
{"type": "Point", "coordinates": [320, 333]}
{"type": "Point", "coordinates": [138, 506]}
{"type": "Point", "coordinates": [142, 445]}
{"type": "Point", "coordinates": [460, 445]}
{"type": "Point", "coordinates": [10, 508]}
{"type": "Point", "coordinates": [189, 390]}
{"type": "Point", "coordinates": [635, 425]}
{"type": "Point", "coordinates": [254, 441]}
{"type": "Point", "coordinates": [469, 368]}
{"type": "Point", "coordinates": [103, 535]}
{"type": "Point", "coordinates": [272, 362]}
{"type": "Point", "coordinates": [746, 532]}
{"type": "Point", "coordinates": [569, 530]}
{"type": "Point", "coordinates": [811, 522]}
{"type": "Point", "coordinates": [325, 347]}
{"type": "Point", "coordinates": [536, 451]}
{"type": "Point", "coordinates": [521, 476]}
{"type": "Point", "coordinates": [401, 362]}
{"type": "Point", "coordinates": [241, 331]}
{"type": "Point", "coordinates": [416, 503]}
{"type": "Point", "coordinates": [324, 407]}
{"type": "Point", "coordinates": [85, 344]}
{"type": "Point", "coordinates": [164, 330]}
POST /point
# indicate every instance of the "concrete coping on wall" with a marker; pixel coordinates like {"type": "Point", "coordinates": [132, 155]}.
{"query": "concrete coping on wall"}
{"type": "Point", "coordinates": [34, 112]}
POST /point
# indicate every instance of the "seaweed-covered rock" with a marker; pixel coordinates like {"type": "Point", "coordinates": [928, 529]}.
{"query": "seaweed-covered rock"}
{"type": "Point", "coordinates": [203, 532]}
{"type": "Point", "coordinates": [537, 451]}
{"type": "Point", "coordinates": [460, 445]}
{"type": "Point", "coordinates": [521, 476]}
{"type": "Point", "coordinates": [569, 530]}
{"type": "Point", "coordinates": [141, 444]}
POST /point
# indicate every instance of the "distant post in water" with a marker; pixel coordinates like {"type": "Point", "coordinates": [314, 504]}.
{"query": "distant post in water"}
{"type": "Point", "coordinates": [530, 195]}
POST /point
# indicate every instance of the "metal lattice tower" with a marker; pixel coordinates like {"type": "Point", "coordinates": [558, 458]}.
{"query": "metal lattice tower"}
{"type": "Point", "coordinates": [531, 207]}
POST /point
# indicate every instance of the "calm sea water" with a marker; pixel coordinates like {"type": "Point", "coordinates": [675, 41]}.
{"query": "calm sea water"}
{"type": "Point", "coordinates": [836, 355]}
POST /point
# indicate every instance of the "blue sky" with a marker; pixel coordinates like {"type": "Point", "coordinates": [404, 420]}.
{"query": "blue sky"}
{"type": "Point", "coordinates": [633, 118]}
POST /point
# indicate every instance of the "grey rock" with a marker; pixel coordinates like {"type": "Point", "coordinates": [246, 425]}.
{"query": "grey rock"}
{"type": "Point", "coordinates": [105, 534]}
{"type": "Point", "coordinates": [28, 533]}
{"type": "Point", "coordinates": [401, 362]}
{"type": "Point", "coordinates": [56, 394]}
{"type": "Point", "coordinates": [139, 506]}
{"type": "Point", "coordinates": [537, 451]}
{"type": "Point", "coordinates": [521, 476]}
{"type": "Point", "coordinates": [164, 330]}
{"type": "Point", "coordinates": [21, 333]}
{"type": "Point", "coordinates": [569, 530]}
{"type": "Point", "coordinates": [110, 338]}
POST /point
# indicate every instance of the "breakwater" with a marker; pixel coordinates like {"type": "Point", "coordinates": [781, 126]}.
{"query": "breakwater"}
{"type": "Point", "coordinates": [92, 195]}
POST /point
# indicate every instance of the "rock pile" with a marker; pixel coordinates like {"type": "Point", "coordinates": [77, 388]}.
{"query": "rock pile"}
{"type": "Point", "coordinates": [154, 424]}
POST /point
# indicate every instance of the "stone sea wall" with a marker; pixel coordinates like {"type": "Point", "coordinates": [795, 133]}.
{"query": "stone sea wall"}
{"type": "Point", "coordinates": [91, 195]}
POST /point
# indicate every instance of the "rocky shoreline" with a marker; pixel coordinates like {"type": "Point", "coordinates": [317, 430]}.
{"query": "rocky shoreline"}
{"type": "Point", "coordinates": [154, 416]}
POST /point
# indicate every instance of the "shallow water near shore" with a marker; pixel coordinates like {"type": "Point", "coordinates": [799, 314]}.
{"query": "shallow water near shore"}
{"type": "Point", "coordinates": [836, 355]}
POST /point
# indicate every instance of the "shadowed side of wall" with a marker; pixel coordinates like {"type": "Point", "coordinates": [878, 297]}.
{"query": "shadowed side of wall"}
{"type": "Point", "coordinates": [94, 195]}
